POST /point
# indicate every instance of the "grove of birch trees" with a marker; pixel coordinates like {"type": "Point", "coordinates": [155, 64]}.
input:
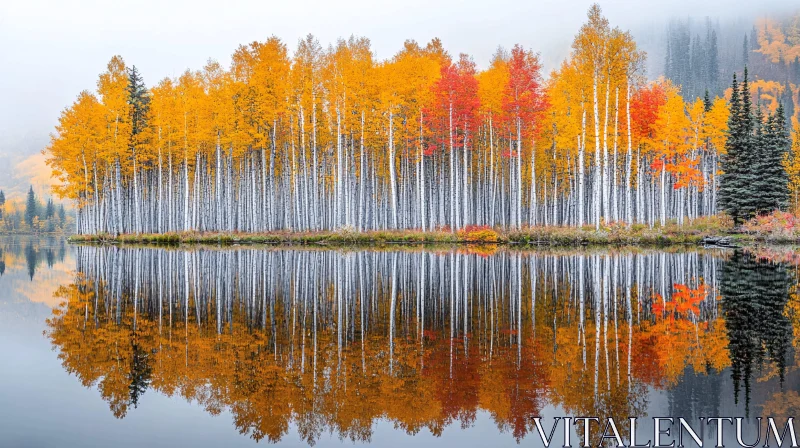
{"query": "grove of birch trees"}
{"type": "Point", "coordinates": [333, 138]}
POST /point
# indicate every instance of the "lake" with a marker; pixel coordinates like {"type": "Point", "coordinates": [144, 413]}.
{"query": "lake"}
{"type": "Point", "coordinates": [233, 346]}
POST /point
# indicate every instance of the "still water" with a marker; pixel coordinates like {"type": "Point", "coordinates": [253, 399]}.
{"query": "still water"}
{"type": "Point", "coordinates": [143, 346]}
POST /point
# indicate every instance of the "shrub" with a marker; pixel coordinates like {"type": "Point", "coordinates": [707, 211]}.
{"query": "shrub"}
{"type": "Point", "coordinates": [776, 225]}
{"type": "Point", "coordinates": [478, 234]}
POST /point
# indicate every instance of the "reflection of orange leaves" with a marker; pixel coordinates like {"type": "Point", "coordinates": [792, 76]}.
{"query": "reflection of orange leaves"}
{"type": "Point", "coordinates": [429, 334]}
{"type": "Point", "coordinates": [782, 404]}
{"type": "Point", "coordinates": [687, 300]}
{"type": "Point", "coordinates": [481, 250]}
{"type": "Point", "coordinates": [647, 367]}
{"type": "Point", "coordinates": [657, 303]}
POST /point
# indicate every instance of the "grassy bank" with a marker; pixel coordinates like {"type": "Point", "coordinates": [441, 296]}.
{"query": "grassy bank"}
{"type": "Point", "coordinates": [614, 234]}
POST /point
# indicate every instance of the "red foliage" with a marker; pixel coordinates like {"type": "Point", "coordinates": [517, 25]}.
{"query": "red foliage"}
{"type": "Point", "coordinates": [645, 103]}
{"type": "Point", "coordinates": [457, 88]}
{"type": "Point", "coordinates": [524, 98]}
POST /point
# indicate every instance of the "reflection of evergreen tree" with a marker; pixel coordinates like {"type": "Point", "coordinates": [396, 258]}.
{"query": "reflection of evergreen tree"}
{"type": "Point", "coordinates": [50, 256]}
{"type": "Point", "coordinates": [139, 375]}
{"type": "Point", "coordinates": [2, 262]}
{"type": "Point", "coordinates": [32, 258]}
{"type": "Point", "coordinates": [62, 250]}
{"type": "Point", "coordinates": [754, 294]}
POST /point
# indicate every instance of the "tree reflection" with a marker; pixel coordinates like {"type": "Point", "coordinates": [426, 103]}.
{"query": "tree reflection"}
{"type": "Point", "coordinates": [755, 292]}
{"type": "Point", "coordinates": [34, 250]}
{"type": "Point", "coordinates": [335, 341]}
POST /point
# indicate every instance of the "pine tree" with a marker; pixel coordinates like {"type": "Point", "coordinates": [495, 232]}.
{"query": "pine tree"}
{"type": "Point", "coordinates": [139, 102]}
{"type": "Point", "coordinates": [30, 207]}
{"type": "Point", "coordinates": [773, 191]}
{"type": "Point", "coordinates": [698, 69]}
{"type": "Point", "coordinates": [707, 102]}
{"type": "Point", "coordinates": [2, 203]}
{"type": "Point", "coordinates": [50, 209]}
{"type": "Point", "coordinates": [749, 154]}
{"type": "Point", "coordinates": [729, 187]}
{"type": "Point", "coordinates": [736, 183]}
{"type": "Point", "coordinates": [787, 102]}
{"type": "Point", "coordinates": [62, 214]}
{"type": "Point", "coordinates": [759, 190]}
{"type": "Point", "coordinates": [139, 99]}
{"type": "Point", "coordinates": [745, 51]}
{"type": "Point", "coordinates": [712, 64]}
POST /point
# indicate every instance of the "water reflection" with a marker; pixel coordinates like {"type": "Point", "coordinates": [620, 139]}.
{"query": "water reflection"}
{"type": "Point", "coordinates": [755, 295]}
{"type": "Point", "coordinates": [35, 250]}
{"type": "Point", "coordinates": [337, 340]}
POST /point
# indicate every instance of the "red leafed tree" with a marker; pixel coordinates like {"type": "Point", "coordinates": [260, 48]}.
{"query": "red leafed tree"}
{"type": "Point", "coordinates": [645, 104]}
{"type": "Point", "coordinates": [456, 97]}
{"type": "Point", "coordinates": [524, 98]}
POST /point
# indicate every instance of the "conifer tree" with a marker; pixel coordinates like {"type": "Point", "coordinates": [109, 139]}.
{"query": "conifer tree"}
{"type": "Point", "coordinates": [30, 207]}
{"type": "Point", "coordinates": [139, 106]}
{"type": "Point", "coordinates": [745, 51]}
{"type": "Point", "coordinates": [748, 173]}
{"type": "Point", "coordinates": [731, 187]}
{"type": "Point", "coordinates": [50, 209]}
{"type": "Point", "coordinates": [712, 68]}
{"type": "Point", "coordinates": [772, 189]}
{"type": "Point", "coordinates": [2, 203]}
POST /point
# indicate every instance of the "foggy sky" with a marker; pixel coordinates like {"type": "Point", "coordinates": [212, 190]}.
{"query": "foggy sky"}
{"type": "Point", "coordinates": [51, 50]}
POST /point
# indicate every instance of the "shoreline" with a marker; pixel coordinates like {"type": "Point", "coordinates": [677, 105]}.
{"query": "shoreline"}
{"type": "Point", "coordinates": [530, 237]}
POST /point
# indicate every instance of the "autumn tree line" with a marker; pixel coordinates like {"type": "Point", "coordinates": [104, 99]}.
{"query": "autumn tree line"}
{"type": "Point", "coordinates": [333, 138]}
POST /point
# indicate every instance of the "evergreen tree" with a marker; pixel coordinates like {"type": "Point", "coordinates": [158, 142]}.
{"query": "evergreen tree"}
{"type": "Point", "coordinates": [30, 207]}
{"type": "Point", "coordinates": [788, 104]}
{"type": "Point", "coordinates": [698, 69]}
{"type": "Point", "coordinates": [707, 102]}
{"type": "Point", "coordinates": [2, 203]}
{"type": "Point", "coordinates": [729, 180]}
{"type": "Point", "coordinates": [50, 209]}
{"type": "Point", "coordinates": [745, 51]}
{"type": "Point", "coordinates": [742, 164]}
{"type": "Point", "coordinates": [773, 189]}
{"type": "Point", "coordinates": [62, 214]}
{"type": "Point", "coordinates": [749, 154]}
{"type": "Point", "coordinates": [669, 68]}
{"type": "Point", "coordinates": [712, 64]}
{"type": "Point", "coordinates": [139, 99]}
